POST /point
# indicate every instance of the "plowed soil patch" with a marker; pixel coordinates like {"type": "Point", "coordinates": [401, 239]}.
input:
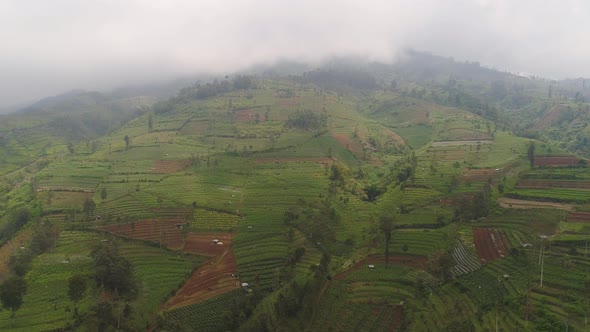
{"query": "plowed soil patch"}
{"type": "Point", "coordinates": [418, 262]}
{"type": "Point", "coordinates": [203, 244]}
{"type": "Point", "coordinates": [578, 217]}
{"type": "Point", "coordinates": [512, 203]}
{"type": "Point", "coordinates": [480, 175]}
{"type": "Point", "coordinates": [490, 244]}
{"type": "Point", "coordinates": [348, 143]}
{"type": "Point", "coordinates": [318, 160]}
{"type": "Point", "coordinates": [169, 166]}
{"type": "Point", "coordinates": [212, 279]}
{"type": "Point", "coordinates": [395, 136]}
{"type": "Point", "coordinates": [248, 115]}
{"type": "Point", "coordinates": [557, 161]}
{"type": "Point", "coordinates": [10, 248]}
{"type": "Point", "coordinates": [549, 118]}
{"type": "Point", "coordinates": [168, 232]}
{"type": "Point", "coordinates": [397, 319]}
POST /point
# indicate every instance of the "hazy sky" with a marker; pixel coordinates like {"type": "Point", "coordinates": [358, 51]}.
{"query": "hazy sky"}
{"type": "Point", "coordinates": [50, 46]}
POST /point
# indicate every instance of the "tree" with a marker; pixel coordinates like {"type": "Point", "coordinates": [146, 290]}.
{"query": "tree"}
{"type": "Point", "coordinates": [113, 272]}
{"type": "Point", "coordinates": [531, 153]}
{"type": "Point", "coordinates": [12, 292]}
{"type": "Point", "coordinates": [103, 193]}
{"type": "Point", "coordinates": [77, 288]}
{"type": "Point", "coordinates": [127, 141]}
{"type": "Point", "coordinates": [386, 226]}
{"type": "Point", "coordinates": [71, 148]}
{"type": "Point", "coordinates": [150, 121]}
{"type": "Point", "coordinates": [88, 207]}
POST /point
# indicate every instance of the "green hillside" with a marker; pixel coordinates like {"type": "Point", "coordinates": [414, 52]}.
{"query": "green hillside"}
{"type": "Point", "coordinates": [377, 198]}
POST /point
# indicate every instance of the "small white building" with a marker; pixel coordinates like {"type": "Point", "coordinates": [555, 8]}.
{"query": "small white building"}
{"type": "Point", "coordinates": [371, 266]}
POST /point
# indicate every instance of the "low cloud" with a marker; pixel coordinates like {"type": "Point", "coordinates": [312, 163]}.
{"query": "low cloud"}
{"type": "Point", "coordinates": [51, 46]}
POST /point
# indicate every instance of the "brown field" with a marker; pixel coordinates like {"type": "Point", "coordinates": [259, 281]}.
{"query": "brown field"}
{"type": "Point", "coordinates": [319, 160]}
{"type": "Point", "coordinates": [549, 118]}
{"type": "Point", "coordinates": [248, 115]}
{"type": "Point", "coordinates": [63, 199]}
{"type": "Point", "coordinates": [397, 319]}
{"type": "Point", "coordinates": [195, 127]}
{"type": "Point", "coordinates": [556, 160]}
{"type": "Point", "coordinates": [169, 166]}
{"type": "Point", "coordinates": [418, 262]}
{"type": "Point", "coordinates": [395, 136]}
{"type": "Point", "coordinates": [490, 244]}
{"type": "Point", "coordinates": [165, 231]}
{"type": "Point", "coordinates": [348, 143]}
{"type": "Point", "coordinates": [524, 204]}
{"type": "Point", "coordinates": [10, 248]}
{"type": "Point", "coordinates": [202, 243]}
{"type": "Point", "coordinates": [211, 279]}
{"type": "Point", "coordinates": [548, 184]}
{"type": "Point", "coordinates": [480, 175]}
{"type": "Point", "coordinates": [583, 217]}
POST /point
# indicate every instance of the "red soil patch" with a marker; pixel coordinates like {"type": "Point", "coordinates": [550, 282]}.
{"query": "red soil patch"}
{"type": "Point", "coordinates": [348, 143]}
{"type": "Point", "coordinates": [396, 319]}
{"type": "Point", "coordinates": [211, 279]}
{"type": "Point", "coordinates": [169, 166]}
{"type": "Point", "coordinates": [202, 243]}
{"type": "Point", "coordinates": [583, 217]}
{"type": "Point", "coordinates": [557, 160]}
{"type": "Point", "coordinates": [490, 244]}
{"type": "Point", "coordinates": [319, 160]}
{"type": "Point", "coordinates": [165, 231]}
{"type": "Point", "coordinates": [548, 184]}
{"type": "Point", "coordinates": [10, 248]}
{"type": "Point", "coordinates": [480, 175]}
{"type": "Point", "coordinates": [418, 262]}
{"type": "Point", "coordinates": [248, 115]}
{"type": "Point", "coordinates": [395, 136]}
{"type": "Point", "coordinates": [549, 118]}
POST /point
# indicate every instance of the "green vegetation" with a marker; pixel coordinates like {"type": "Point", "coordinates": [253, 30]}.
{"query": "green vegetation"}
{"type": "Point", "coordinates": [339, 199]}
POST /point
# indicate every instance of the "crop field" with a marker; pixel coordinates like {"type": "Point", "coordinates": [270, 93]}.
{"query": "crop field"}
{"type": "Point", "coordinates": [208, 315]}
{"type": "Point", "coordinates": [212, 279]}
{"type": "Point", "coordinates": [62, 200]}
{"type": "Point", "coordinates": [169, 166]}
{"type": "Point", "coordinates": [83, 176]}
{"type": "Point", "coordinates": [490, 244]}
{"type": "Point", "coordinates": [167, 232]}
{"type": "Point", "coordinates": [418, 262]}
{"type": "Point", "coordinates": [529, 204]}
{"type": "Point", "coordinates": [557, 161]}
{"type": "Point", "coordinates": [208, 221]}
{"type": "Point", "coordinates": [560, 195]}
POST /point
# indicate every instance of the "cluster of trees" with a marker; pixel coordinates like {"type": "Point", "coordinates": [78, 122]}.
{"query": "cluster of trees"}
{"type": "Point", "coordinates": [307, 120]}
{"type": "Point", "coordinates": [14, 288]}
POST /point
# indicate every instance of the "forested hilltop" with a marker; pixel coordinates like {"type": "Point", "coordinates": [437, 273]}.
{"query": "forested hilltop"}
{"type": "Point", "coordinates": [425, 195]}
